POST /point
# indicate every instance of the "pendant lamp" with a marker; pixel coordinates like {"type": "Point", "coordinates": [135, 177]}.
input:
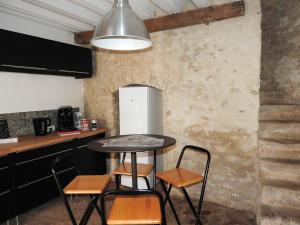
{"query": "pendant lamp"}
{"type": "Point", "coordinates": [121, 29]}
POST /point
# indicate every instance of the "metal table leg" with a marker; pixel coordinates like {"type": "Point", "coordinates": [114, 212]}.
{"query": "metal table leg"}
{"type": "Point", "coordinates": [154, 170]}
{"type": "Point", "coordinates": [134, 171]}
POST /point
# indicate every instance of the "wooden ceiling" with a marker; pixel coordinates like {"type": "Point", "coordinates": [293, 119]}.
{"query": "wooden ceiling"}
{"type": "Point", "coordinates": [182, 19]}
{"type": "Point", "coordinates": [83, 15]}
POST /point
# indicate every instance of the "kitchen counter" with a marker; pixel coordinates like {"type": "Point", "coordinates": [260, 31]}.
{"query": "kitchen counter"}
{"type": "Point", "coordinates": [31, 141]}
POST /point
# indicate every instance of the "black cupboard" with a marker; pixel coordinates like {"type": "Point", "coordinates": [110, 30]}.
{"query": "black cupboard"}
{"type": "Point", "coordinates": [28, 54]}
{"type": "Point", "coordinates": [6, 189]}
{"type": "Point", "coordinates": [26, 180]}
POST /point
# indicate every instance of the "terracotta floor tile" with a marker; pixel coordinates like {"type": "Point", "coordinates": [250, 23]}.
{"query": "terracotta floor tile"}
{"type": "Point", "coordinates": [54, 213]}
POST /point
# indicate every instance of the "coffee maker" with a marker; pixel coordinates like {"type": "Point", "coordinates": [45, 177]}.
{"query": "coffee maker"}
{"type": "Point", "coordinates": [40, 126]}
{"type": "Point", "coordinates": [4, 132]}
{"type": "Point", "coordinates": [65, 120]}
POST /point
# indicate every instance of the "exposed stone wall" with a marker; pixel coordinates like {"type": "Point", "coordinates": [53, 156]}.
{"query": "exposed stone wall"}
{"type": "Point", "coordinates": [209, 75]}
{"type": "Point", "coordinates": [281, 52]}
{"type": "Point", "coordinates": [279, 147]}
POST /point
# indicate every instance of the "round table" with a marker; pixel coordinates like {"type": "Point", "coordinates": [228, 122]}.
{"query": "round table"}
{"type": "Point", "coordinates": [96, 145]}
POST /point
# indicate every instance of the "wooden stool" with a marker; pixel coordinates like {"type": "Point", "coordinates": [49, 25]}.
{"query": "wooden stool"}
{"type": "Point", "coordinates": [92, 185]}
{"type": "Point", "coordinates": [182, 178]}
{"type": "Point", "coordinates": [143, 170]}
{"type": "Point", "coordinates": [135, 207]}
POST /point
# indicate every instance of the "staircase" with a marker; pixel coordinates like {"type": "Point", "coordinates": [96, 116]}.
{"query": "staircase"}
{"type": "Point", "coordinates": [279, 152]}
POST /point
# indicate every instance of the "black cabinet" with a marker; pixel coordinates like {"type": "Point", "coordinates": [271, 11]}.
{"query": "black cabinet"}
{"type": "Point", "coordinates": [26, 178]}
{"type": "Point", "coordinates": [6, 189]}
{"type": "Point", "coordinates": [31, 195]}
{"type": "Point", "coordinates": [90, 162]}
{"type": "Point", "coordinates": [29, 54]}
{"type": "Point", "coordinates": [34, 183]}
{"type": "Point", "coordinates": [30, 166]}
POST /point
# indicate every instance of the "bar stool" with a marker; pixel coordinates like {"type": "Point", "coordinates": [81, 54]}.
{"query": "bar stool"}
{"type": "Point", "coordinates": [143, 170]}
{"type": "Point", "coordinates": [182, 178]}
{"type": "Point", "coordinates": [134, 207]}
{"type": "Point", "coordinates": [92, 185]}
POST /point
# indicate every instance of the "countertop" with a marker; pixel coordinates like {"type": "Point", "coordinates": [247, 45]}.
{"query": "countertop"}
{"type": "Point", "coordinates": [31, 141]}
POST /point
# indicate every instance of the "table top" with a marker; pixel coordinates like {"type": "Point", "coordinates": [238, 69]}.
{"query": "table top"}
{"type": "Point", "coordinates": [97, 146]}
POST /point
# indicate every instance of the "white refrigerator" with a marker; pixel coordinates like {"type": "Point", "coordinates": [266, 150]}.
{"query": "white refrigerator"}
{"type": "Point", "coordinates": [140, 110]}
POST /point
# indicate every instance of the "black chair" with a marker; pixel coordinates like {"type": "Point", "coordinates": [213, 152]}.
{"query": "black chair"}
{"type": "Point", "coordinates": [143, 170]}
{"type": "Point", "coordinates": [92, 185]}
{"type": "Point", "coordinates": [134, 207]}
{"type": "Point", "coordinates": [182, 178]}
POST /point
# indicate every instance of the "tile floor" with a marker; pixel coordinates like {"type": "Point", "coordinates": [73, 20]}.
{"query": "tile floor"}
{"type": "Point", "coordinates": [54, 213]}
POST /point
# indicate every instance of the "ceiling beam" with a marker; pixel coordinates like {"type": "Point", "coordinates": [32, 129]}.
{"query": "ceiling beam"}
{"type": "Point", "coordinates": [32, 10]}
{"type": "Point", "coordinates": [201, 3]}
{"type": "Point", "coordinates": [169, 6]}
{"type": "Point", "coordinates": [97, 6]}
{"type": "Point", "coordinates": [27, 17]}
{"type": "Point", "coordinates": [143, 8]}
{"type": "Point", "coordinates": [69, 9]}
{"type": "Point", "coordinates": [196, 16]}
{"type": "Point", "coordinates": [192, 17]}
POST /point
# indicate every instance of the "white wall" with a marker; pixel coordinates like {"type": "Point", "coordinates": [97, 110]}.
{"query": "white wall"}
{"type": "Point", "coordinates": [25, 92]}
{"type": "Point", "coordinates": [20, 92]}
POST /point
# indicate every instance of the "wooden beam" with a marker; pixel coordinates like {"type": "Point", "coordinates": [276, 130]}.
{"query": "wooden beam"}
{"type": "Point", "coordinates": [191, 17]}
{"type": "Point", "coordinates": [84, 37]}
{"type": "Point", "coordinates": [197, 16]}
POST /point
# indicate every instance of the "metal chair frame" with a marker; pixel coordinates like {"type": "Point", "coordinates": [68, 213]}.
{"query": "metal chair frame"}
{"type": "Point", "coordinates": [93, 197]}
{"type": "Point", "coordinates": [118, 176]}
{"type": "Point", "coordinates": [133, 192]}
{"type": "Point", "coordinates": [168, 190]}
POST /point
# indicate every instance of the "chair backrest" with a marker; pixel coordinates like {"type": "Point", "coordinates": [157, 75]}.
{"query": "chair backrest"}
{"type": "Point", "coordinates": [201, 151]}
{"type": "Point", "coordinates": [132, 193]}
{"type": "Point", "coordinates": [57, 166]}
{"type": "Point", "coordinates": [123, 158]}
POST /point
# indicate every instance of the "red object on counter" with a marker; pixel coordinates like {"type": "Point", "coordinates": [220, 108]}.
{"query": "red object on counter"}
{"type": "Point", "coordinates": [84, 124]}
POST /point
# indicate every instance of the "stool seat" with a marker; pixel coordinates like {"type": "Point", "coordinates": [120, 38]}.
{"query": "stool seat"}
{"type": "Point", "coordinates": [87, 184]}
{"type": "Point", "coordinates": [143, 170]}
{"type": "Point", "coordinates": [141, 209]}
{"type": "Point", "coordinates": [91, 185]}
{"type": "Point", "coordinates": [180, 177]}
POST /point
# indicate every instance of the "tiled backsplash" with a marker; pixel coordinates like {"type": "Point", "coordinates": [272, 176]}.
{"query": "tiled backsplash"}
{"type": "Point", "coordinates": [21, 123]}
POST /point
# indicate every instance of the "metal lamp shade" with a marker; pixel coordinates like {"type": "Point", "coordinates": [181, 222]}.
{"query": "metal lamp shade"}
{"type": "Point", "coordinates": [121, 29]}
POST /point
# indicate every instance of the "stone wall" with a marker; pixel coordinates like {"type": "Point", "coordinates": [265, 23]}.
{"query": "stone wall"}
{"type": "Point", "coordinates": [281, 52]}
{"type": "Point", "coordinates": [279, 127]}
{"type": "Point", "coordinates": [209, 75]}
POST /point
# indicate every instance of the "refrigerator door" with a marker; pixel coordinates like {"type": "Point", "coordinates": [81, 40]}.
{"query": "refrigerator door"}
{"type": "Point", "coordinates": [133, 103]}
{"type": "Point", "coordinates": [154, 114]}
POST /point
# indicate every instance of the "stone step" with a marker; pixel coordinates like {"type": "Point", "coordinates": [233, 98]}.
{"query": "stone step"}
{"type": "Point", "coordinates": [279, 215]}
{"type": "Point", "coordinates": [279, 131]}
{"type": "Point", "coordinates": [280, 197]}
{"type": "Point", "coordinates": [286, 171]}
{"type": "Point", "coordinates": [268, 83]}
{"type": "Point", "coordinates": [279, 113]}
{"type": "Point", "coordinates": [270, 149]}
{"type": "Point", "coordinates": [281, 141]}
{"type": "Point", "coordinates": [279, 221]}
{"type": "Point", "coordinates": [273, 97]}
